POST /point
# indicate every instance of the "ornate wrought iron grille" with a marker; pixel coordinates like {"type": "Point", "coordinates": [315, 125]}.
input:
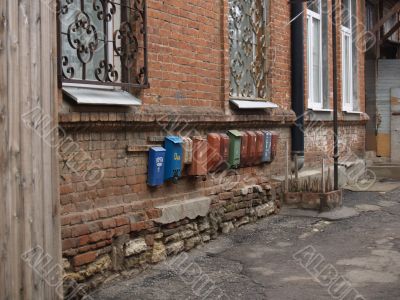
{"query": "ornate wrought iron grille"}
{"type": "Point", "coordinates": [248, 45]}
{"type": "Point", "coordinates": [103, 42]}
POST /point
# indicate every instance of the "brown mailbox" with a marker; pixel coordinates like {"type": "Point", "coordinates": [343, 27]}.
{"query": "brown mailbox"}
{"type": "Point", "coordinates": [274, 144]}
{"type": "Point", "coordinates": [224, 149]}
{"type": "Point", "coordinates": [259, 146]}
{"type": "Point", "coordinates": [199, 162]}
{"type": "Point", "coordinates": [213, 151]}
{"type": "Point", "coordinates": [252, 148]}
{"type": "Point", "coordinates": [187, 146]}
{"type": "Point", "coordinates": [244, 152]}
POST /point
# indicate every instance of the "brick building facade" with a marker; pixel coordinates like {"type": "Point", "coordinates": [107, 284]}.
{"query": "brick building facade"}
{"type": "Point", "coordinates": [109, 213]}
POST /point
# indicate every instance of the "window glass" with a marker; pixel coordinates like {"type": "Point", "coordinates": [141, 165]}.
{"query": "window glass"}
{"type": "Point", "coordinates": [248, 43]}
{"type": "Point", "coordinates": [316, 62]}
{"type": "Point", "coordinates": [346, 70]}
{"type": "Point", "coordinates": [314, 56]}
{"type": "Point", "coordinates": [103, 42]}
{"type": "Point", "coordinates": [314, 5]}
{"type": "Point", "coordinates": [346, 13]}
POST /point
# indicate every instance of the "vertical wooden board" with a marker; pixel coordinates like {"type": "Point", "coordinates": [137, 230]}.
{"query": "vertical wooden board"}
{"type": "Point", "coordinates": [4, 224]}
{"type": "Point", "coordinates": [13, 143]}
{"type": "Point", "coordinates": [34, 205]}
{"type": "Point", "coordinates": [26, 83]}
{"type": "Point", "coordinates": [49, 94]}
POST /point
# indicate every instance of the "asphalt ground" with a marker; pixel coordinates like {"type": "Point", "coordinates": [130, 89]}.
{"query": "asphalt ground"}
{"type": "Point", "coordinates": [285, 257]}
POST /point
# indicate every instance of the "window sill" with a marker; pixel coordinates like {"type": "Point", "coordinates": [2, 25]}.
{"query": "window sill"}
{"type": "Point", "coordinates": [90, 96]}
{"type": "Point", "coordinates": [327, 110]}
{"type": "Point", "coordinates": [252, 104]}
{"type": "Point", "coordinates": [353, 112]}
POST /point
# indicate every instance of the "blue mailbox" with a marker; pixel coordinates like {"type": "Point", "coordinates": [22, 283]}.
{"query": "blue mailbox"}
{"type": "Point", "coordinates": [156, 168]}
{"type": "Point", "coordinates": [173, 158]}
{"type": "Point", "coordinates": [267, 153]}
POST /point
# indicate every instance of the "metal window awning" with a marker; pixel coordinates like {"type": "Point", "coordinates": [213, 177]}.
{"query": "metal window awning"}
{"type": "Point", "coordinates": [90, 96]}
{"type": "Point", "coordinates": [253, 104]}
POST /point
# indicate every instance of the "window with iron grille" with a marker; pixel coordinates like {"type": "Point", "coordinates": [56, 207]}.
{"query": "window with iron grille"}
{"type": "Point", "coordinates": [103, 43]}
{"type": "Point", "coordinates": [248, 49]}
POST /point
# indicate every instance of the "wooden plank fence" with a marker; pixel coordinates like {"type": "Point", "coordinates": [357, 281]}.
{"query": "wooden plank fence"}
{"type": "Point", "coordinates": [29, 200]}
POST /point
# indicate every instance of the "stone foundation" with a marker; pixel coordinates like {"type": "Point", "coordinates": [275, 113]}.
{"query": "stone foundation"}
{"type": "Point", "coordinates": [136, 244]}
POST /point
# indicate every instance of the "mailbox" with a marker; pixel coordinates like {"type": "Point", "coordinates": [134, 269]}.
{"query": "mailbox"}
{"type": "Point", "coordinates": [173, 158]}
{"type": "Point", "coordinates": [267, 147]}
{"type": "Point", "coordinates": [214, 151]}
{"type": "Point", "coordinates": [244, 149]}
{"type": "Point", "coordinates": [199, 163]}
{"type": "Point", "coordinates": [187, 150]}
{"type": "Point", "coordinates": [259, 146]}
{"type": "Point", "coordinates": [224, 148]}
{"type": "Point", "coordinates": [251, 148]}
{"type": "Point", "coordinates": [156, 164]}
{"type": "Point", "coordinates": [234, 148]}
{"type": "Point", "coordinates": [274, 144]}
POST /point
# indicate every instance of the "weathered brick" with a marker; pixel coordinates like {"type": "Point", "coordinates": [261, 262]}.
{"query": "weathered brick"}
{"type": "Point", "coordinates": [97, 236]}
{"type": "Point", "coordinates": [235, 214]}
{"type": "Point", "coordinates": [109, 223]}
{"type": "Point", "coordinates": [122, 230]}
{"type": "Point", "coordinates": [120, 221]}
{"type": "Point", "coordinates": [79, 230]}
{"type": "Point", "coordinates": [70, 243]}
{"type": "Point", "coordinates": [153, 213]}
{"type": "Point", "coordinates": [114, 211]}
{"type": "Point", "coordinates": [83, 259]}
{"type": "Point", "coordinates": [141, 226]}
{"type": "Point", "coordinates": [226, 196]}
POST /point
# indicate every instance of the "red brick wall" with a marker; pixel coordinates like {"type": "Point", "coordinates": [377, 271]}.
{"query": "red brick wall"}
{"type": "Point", "coordinates": [185, 53]}
{"type": "Point", "coordinates": [189, 77]}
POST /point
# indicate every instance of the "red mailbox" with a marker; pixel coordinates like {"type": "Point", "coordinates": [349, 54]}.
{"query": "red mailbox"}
{"type": "Point", "coordinates": [252, 148]}
{"type": "Point", "coordinates": [224, 147]}
{"type": "Point", "coordinates": [244, 149]}
{"type": "Point", "coordinates": [199, 162]}
{"type": "Point", "coordinates": [274, 144]}
{"type": "Point", "coordinates": [259, 146]}
{"type": "Point", "coordinates": [213, 151]}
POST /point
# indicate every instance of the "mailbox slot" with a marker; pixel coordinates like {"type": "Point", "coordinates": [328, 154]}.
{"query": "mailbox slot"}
{"type": "Point", "coordinates": [267, 147]}
{"type": "Point", "coordinates": [214, 151]}
{"type": "Point", "coordinates": [156, 164]}
{"type": "Point", "coordinates": [199, 163]}
{"type": "Point", "coordinates": [173, 158]}
{"type": "Point", "coordinates": [252, 148]}
{"type": "Point", "coordinates": [259, 146]}
{"type": "Point", "coordinates": [234, 148]}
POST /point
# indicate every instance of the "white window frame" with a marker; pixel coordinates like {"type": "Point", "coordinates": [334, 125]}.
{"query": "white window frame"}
{"type": "Point", "coordinates": [313, 102]}
{"type": "Point", "coordinates": [348, 104]}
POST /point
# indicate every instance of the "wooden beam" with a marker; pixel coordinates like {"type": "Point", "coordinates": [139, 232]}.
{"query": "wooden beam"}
{"type": "Point", "coordinates": [385, 18]}
{"type": "Point", "coordinates": [390, 32]}
{"type": "Point", "coordinates": [29, 198]}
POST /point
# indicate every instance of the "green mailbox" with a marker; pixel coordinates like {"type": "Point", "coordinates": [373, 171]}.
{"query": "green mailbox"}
{"type": "Point", "coordinates": [234, 148]}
